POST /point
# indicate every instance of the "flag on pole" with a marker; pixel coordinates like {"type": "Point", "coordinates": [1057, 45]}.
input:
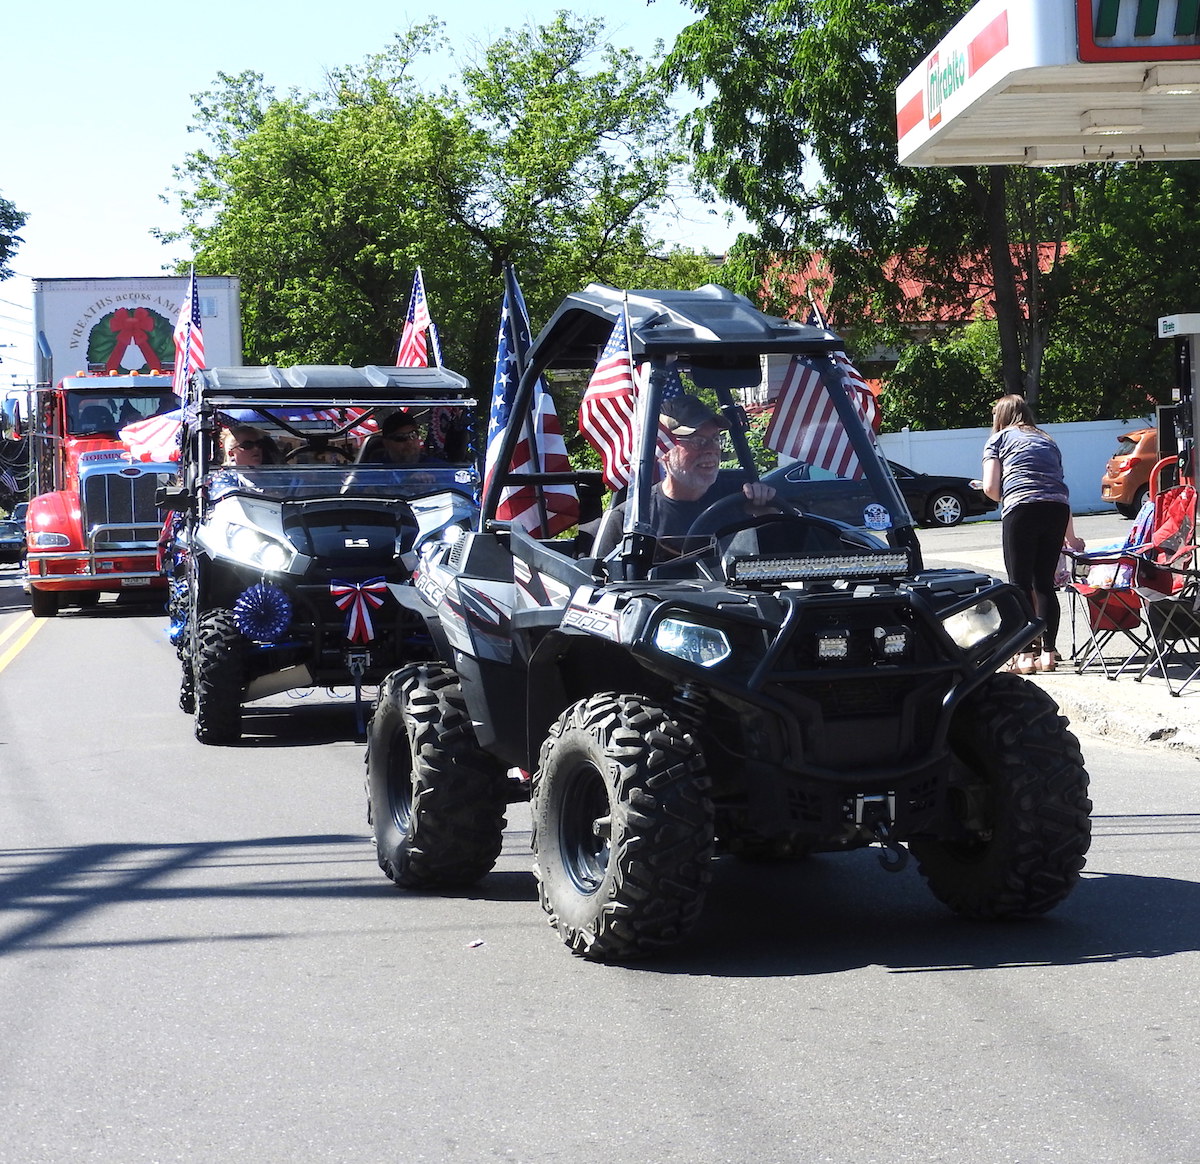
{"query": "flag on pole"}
{"type": "Point", "coordinates": [412, 351]}
{"type": "Point", "coordinates": [608, 407]}
{"type": "Point", "coordinates": [189, 339]}
{"type": "Point", "coordinates": [806, 425]}
{"type": "Point", "coordinates": [543, 510]}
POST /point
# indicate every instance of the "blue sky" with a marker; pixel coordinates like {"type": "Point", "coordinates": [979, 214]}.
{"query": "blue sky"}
{"type": "Point", "coordinates": [95, 101]}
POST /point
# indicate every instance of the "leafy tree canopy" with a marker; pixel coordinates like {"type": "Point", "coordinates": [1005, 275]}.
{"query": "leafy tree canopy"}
{"type": "Point", "coordinates": [11, 221]}
{"type": "Point", "coordinates": [550, 152]}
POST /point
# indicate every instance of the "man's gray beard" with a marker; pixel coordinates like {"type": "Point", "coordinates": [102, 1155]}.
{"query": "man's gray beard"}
{"type": "Point", "coordinates": [697, 479]}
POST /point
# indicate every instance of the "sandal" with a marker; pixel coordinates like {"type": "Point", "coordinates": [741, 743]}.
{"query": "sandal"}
{"type": "Point", "coordinates": [1046, 661]}
{"type": "Point", "coordinates": [1025, 664]}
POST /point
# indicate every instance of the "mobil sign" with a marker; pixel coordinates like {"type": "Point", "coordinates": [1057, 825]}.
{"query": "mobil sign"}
{"type": "Point", "coordinates": [1138, 30]}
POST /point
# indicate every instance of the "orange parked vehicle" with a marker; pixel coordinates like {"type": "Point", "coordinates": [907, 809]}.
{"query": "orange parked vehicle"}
{"type": "Point", "coordinates": [1126, 480]}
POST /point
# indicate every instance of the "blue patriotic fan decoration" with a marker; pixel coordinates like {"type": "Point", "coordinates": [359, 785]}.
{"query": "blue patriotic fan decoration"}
{"type": "Point", "coordinates": [263, 613]}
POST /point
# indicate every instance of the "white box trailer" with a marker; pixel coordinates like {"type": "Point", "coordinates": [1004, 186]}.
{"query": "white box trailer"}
{"type": "Point", "coordinates": [126, 325]}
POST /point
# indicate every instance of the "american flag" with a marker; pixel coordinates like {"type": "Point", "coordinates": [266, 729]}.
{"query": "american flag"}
{"type": "Point", "coordinates": [805, 424]}
{"type": "Point", "coordinates": [528, 505]}
{"type": "Point", "coordinates": [607, 408]}
{"type": "Point", "coordinates": [412, 351]}
{"type": "Point", "coordinates": [189, 339]}
{"type": "Point", "coordinates": [8, 481]}
{"type": "Point", "coordinates": [606, 412]}
{"type": "Point", "coordinates": [155, 439]}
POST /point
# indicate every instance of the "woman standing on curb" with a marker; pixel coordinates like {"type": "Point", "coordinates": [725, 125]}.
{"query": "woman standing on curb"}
{"type": "Point", "coordinates": [1022, 469]}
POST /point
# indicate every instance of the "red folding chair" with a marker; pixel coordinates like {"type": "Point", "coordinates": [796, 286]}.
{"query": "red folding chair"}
{"type": "Point", "coordinates": [1168, 583]}
{"type": "Point", "coordinates": [1104, 600]}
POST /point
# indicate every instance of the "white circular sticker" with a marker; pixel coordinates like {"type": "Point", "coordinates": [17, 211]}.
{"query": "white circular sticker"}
{"type": "Point", "coordinates": [877, 517]}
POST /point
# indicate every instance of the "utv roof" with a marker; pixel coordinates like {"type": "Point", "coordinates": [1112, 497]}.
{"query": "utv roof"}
{"type": "Point", "coordinates": [331, 384]}
{"type": "Point", "coordinates": [690, 323]}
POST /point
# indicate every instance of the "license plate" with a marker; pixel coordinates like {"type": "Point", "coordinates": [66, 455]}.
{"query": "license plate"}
{"type": "Point", "coordinates": [128, 582]}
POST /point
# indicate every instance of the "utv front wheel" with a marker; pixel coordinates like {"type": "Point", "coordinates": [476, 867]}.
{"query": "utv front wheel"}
{"type": "Point", "coordinates": [218, 674]}
{"type": "Point", "coordinates": [1020, 805]}
{"type": "Point", "coordinates": [622, 828]}
{"type": "Point", "coordinates": [435, 800]}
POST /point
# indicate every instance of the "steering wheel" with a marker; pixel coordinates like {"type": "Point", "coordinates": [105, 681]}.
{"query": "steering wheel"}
{"type": "Point", "coordinates": [737, 512]}
{"type": "Point", "coordinates": [340, 457]}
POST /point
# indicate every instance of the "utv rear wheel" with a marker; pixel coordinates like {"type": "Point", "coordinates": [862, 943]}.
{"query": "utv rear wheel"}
{"type": "Point", "coordinates": [622, 828]}
{"type": "Point", "coordinates": [435, 800]}
{"type": "Point", "coordinates": [1022, 792]}
{"type": "Point", "coordinates": [218, 669]}
{"type": "Point", "coordinates": [43, 603]}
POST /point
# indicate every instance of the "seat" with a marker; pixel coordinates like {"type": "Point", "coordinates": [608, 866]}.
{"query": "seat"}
{"type": "Point", "coordinates": [1104, 599]}
{"type": "Point", "coordinates": [96, 418]}
{"type": "Point", "coordinates": [1167, 581]}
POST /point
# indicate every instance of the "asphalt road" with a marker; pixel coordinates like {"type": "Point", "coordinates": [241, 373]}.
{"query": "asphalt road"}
{"type": "Point", "coordinates": [200, 961]}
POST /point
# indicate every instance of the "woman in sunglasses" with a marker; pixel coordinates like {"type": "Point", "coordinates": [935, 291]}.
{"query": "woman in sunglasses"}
{"type": "Point", "coordinates": [249, 447]}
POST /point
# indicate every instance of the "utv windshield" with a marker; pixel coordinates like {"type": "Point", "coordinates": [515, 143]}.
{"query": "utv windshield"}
{"type": "Point", "coordinates": [305, 482]}
{"type": "Point", "coordinates": [819, 431]}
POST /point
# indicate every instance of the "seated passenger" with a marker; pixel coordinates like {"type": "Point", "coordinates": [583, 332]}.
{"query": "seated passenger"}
{"type": "Point", "coordinates": [249, 447]}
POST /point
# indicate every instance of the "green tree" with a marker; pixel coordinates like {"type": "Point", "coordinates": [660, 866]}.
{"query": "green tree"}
{"type": "Point", "coordinates": [551, 151]}
{"type": "Point", "coordinates": [11, 221]}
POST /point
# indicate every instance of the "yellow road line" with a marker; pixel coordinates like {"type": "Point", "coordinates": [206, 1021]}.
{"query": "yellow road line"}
{"type": "Point", "coordinates": [26, 626]}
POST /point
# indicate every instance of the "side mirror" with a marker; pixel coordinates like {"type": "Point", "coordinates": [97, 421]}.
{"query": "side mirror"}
{"type": "Point", "coordinates": [176, 497]}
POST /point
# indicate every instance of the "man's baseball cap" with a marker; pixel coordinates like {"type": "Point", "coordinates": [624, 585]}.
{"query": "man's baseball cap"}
{"type": "Point", "coordinates": [402, 418]}
{"type": "Point", "coordinates": [682, 415]}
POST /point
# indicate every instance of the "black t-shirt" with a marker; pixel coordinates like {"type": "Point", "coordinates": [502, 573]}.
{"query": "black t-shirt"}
{"type": "Point", "coordinates": [668, 517]}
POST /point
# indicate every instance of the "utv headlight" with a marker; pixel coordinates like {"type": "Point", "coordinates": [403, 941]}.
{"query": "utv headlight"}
{"type": "Point", "coordinates": [692, 642]}
{"type": "Point", "coordinates": [970, 627]}
{"type": "Point", "coordinates": [255, 548]}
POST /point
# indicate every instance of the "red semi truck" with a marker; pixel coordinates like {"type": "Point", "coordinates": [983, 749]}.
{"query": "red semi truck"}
{"type": "Point", "coordinates": [92, 524]}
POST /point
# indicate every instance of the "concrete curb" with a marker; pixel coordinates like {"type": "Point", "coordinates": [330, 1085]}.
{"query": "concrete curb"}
{"type": "Point", "coordinates": [1153, 717]}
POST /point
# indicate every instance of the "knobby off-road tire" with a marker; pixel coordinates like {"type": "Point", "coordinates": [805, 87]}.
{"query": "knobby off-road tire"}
{"type": "Point", "coordinates": [1030, 795]}
{"type": "Point", "coordinates": [219, 674]}
{"type": "Point", "coordinates": [622, 828]}
{"type": "Point", "coordinates": [435, 799]}
{"type": "Point", "coordinates": [187, 686]}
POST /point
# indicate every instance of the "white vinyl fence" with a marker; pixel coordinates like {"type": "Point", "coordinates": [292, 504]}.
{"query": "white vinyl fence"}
{"type": "Point", "coordinates": [1086, 447]}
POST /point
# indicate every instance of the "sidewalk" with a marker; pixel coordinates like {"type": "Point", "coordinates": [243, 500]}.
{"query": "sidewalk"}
{"type": "Point", "coordinates": [1123, 709]}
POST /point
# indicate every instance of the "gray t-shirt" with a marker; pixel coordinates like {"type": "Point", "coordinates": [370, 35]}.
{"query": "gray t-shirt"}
{"type": "Point", "coordinates": [1030, 467]}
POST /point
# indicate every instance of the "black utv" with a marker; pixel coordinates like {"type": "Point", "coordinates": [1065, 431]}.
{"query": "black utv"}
{"type": "Point", "coordinates": [770, 685]}
{"type": "Point", "coordinates": [297, 572]}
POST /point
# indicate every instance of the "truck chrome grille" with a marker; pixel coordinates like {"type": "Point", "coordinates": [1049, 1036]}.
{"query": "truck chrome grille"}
{"type": "Point", "coordinates": [123, 504]}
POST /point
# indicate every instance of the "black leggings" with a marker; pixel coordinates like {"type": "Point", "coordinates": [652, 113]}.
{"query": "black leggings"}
{"type": "Point", "coordinates": [1032, 537]}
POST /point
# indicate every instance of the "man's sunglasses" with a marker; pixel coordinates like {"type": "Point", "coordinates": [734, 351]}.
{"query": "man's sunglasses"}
{"type": "Point", "coordinates": [264, 445]}
{"type": "Point", "coordinates": [402, 436]}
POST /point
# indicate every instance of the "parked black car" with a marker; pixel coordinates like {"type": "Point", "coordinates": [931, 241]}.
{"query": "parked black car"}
{"type": "Point", "coordinates": [12, 540]}
{"type": "Point", "coordinates": [932, 498]}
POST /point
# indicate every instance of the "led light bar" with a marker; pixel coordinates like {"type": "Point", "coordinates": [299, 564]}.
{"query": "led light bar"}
{"type": "Point", "coordinates": [820, 567]}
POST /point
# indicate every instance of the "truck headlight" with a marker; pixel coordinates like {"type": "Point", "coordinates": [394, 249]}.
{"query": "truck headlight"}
{"type": "Point", "coordinates": [255, 548]}
{"type": "Point", "coordinates": [49, 541]}
{"type": "Point", "coordinates": [970, 627]}
{"type": "Point", "coordinates": [692, 642]}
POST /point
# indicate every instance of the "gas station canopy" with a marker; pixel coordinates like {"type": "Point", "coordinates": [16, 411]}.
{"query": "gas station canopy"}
{"type": "Point", "coordinates": [1057, 82]}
